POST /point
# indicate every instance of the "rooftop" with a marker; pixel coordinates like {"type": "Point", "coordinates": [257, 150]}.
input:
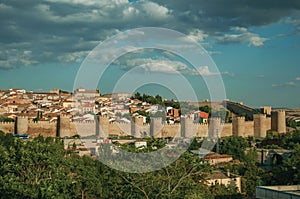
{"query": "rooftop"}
{"type": "Point", "coordinates": [287, 191]}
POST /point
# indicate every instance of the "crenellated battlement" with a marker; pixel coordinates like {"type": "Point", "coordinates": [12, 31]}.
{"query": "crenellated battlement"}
{"type": "Point", "coordinates": [84, 122]}
{"type": "Point", "coordinates": [215, 118]}
{"type": "Point", "coordinates": [30, 122]}
{"type": "Point", "coordinates": [176, 124]}
{"type": "Point", "coordinates": [7, 123]}
{"type": "Point", "coordinates": [156, 118]}
{"type": "Point", "coordinates": [64, 126]}
{"type": "Point", "coordinates": [259, 115]}
{"type": "Point", "coordinates": [103, 116]}
{"type": "Point", "coordinates": [123, 123]}
{"type": "Point", "coordinates": [43, 121]}
{"type": "Point", "coordinates": [64, 116]}
{"type": "Point", "coordinates": [239, 118]}
{"type": "Point", "coordinates": [200, 124]}
{"type": "Point", "coordinates": [23, 117]}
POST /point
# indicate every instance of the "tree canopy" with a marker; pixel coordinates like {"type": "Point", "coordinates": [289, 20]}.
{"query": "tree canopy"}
{"type": "Point", "coordinates": [41, 168]}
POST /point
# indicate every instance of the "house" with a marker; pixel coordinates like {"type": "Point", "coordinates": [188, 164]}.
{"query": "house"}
{"type": "Point", "coordinates": [216, 158]}
{"type": "Point", "coordinates": [201, 116]}
{"type": "Point", "coordinates": [228, 179]}
{"type": "Point", "coordinates": [82, 94]}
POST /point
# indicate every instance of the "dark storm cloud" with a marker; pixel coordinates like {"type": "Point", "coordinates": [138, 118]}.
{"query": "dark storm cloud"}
{"type": "Point", "coordinates": [219, 15]}
{"type": "Point", "coordinates": [34, 31]}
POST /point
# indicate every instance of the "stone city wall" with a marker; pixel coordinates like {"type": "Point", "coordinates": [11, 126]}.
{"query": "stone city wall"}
{"type": "Point", "coordinates": [187, 128]}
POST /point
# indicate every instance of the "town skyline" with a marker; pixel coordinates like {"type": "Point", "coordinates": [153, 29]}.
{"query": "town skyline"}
{"type": "Point", "coordinates": [169, 96]}
{"type": "Point", "coordinates": [255, 46]}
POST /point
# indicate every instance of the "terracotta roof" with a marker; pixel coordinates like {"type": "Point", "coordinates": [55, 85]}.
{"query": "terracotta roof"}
{"type": "Point", "coordinates": [217, 175]}
{"type": "Point", "coordinates": [216, 156]}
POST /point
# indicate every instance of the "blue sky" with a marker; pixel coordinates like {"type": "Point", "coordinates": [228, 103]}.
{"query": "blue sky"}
{"type": "Point", "coordinates": [255, 44]}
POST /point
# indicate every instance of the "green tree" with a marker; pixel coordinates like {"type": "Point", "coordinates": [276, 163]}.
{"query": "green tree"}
{"type": "Point", "coordinates": [289, 172]}
{"type": "Point", "coordinates": [6, 119]}
{"type": "Point", "coordinates": [206, 109]}
{"type": "Point", "coordinates": [235, 146]}
{"type": "Point", "coordinates": [252, 173]}
{"type": "Point", "coordinates": [184, 178]}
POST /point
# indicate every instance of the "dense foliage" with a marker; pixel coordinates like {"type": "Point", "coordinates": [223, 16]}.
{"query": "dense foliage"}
{"type": "Point", "coordinates": [6, 119]}
{"type": "Point", "coordinates": [235, 146]}
{"type": "Point", "coordinates": [41, 168]}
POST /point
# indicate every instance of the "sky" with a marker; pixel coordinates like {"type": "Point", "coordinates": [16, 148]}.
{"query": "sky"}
{"type": "Point", "coordinates": [254, 44]}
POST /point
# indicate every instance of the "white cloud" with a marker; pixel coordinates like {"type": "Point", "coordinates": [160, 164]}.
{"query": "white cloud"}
{"type": "Point", "coordinates": [298, 78]}
{"type": "Point", "coordinates": [204, 71]}
{"type": "Point", "coordinates": [197, 35]}
{"type": "Point", "coordinates": [111, 12]}
{"type": "Point", "coordinates": [159, 65]}
{"type": "Point", "coordinates": [91, 2]}
{"type": "Point", "coordinates": [5, 7]}
{"type": "Point", "coordinates": [167, 66]}
{"type": "Point", "coordinates": [73, 57]}
{"type": "Point", "coordinates": [54, 28]}
{"type": "Point", "coordinates": [14, 57]}
{"type": "Point", "coordinates": [243, 36]}
{"type": "Point", "coordinates": [155, 10]}
{"type": "Point", "coordinates": [286, 84]}
{"type": "Point", "coordinates": [214, 52]}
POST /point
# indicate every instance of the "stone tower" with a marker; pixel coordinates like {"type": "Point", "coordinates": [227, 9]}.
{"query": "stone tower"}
{"type": "Point", "coordinates": [102, 126]}
{"type": "Point", "coordinates": [215, 127]}
{"type": "Point", "coordinates": [266, 110]}
{"type": "Point", "coordinates": [21, 125]}
{"type": "Point", "coordinates": [136, 124]}
{"type": "Point", "coordinates": [260, 125]}
{"type": "Point", "coordinates": [188, 129]}
{"type": "Point", "coordinates": [278, 121]}
{"type": "Point", "coordinates": [155, 126]}
{"type": "Point", "coordinates": [63, 126]}
{"type": "Point", "coordinates": [238, 126]}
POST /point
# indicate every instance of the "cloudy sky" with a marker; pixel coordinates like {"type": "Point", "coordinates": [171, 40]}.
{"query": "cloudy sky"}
{"type": "Point", "coordinates": [255, 44]}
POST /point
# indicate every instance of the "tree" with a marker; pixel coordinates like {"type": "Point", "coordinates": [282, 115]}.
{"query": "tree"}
{"type": "Point", "coordinates": [235, 146]}
{"type": "Point", "coordinates": [137, 95]}
{"type": "Point", "coordinates": [6, 119]}
{"type": "Point", "coordinates": [252, 173]}
{"type": "Point", "coordinates": [289, 172]}
{"type": "Point", "coordinates": [184, 178]}
{"type": "Point", "coordinates": [206, 109]}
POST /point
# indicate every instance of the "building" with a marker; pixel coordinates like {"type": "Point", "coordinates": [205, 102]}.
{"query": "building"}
{"type": "Point", "coordinates": [84, 94]}
{"type": "Point", "coordinates": [278, 192]}
{"type": "Point", "coordinates": [121, 96]}
{"type": "Point", "coordinates": [227, 179]}
{"type": "Point", "coordinates": [215, 158]}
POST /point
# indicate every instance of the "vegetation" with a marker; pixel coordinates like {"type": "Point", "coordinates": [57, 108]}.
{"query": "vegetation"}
{"type": "Point", "coordinates": [148, 98]}
{"type": "Point", "coordinates": [290, 169]}
{"type": "Point", "coordinates": [283, 140]}
{"type": "Point", "coordinates": [41, 168]}
{"type": "Point", "coordinates": [183, 106]}
{"type": "Point", "coordinates": [235, 146]}
{"type": "Point", "coordinates": [206, 109]}
{"type": "Point", "coordinates": [6, 119]}
{"type": "Point", "coordinates": [292, 123]}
